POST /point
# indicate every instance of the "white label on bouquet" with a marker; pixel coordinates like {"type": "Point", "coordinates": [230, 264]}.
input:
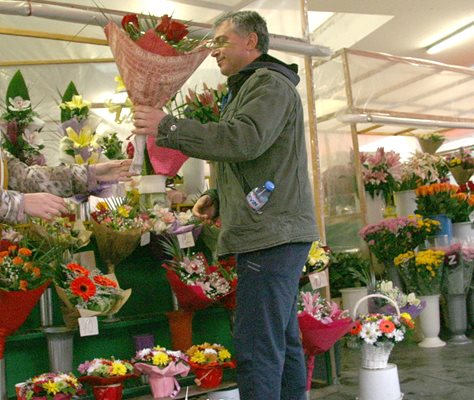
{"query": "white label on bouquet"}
{"type": "Point", "coordinates": [88, 326]}
{"type": "Point", "coordinates": [185, 240]}
{"type": "Point", "coordinates": [145, 239]}
{"type": "Point", "coordinates": [318, 279]}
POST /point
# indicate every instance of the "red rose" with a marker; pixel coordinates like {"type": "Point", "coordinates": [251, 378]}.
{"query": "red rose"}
{"type": "Point", "coordinates": [164, 24]}
{"type": "Point", "coordinates": [176, 32]}
{"type": "Point", "coordinates": [130, 150]}
{"type": "Point", "coordinates": [130, 19]}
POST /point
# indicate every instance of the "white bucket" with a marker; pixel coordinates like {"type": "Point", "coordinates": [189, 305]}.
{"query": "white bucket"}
{"type": "Point", "coordinates": [405, 202]}
{"type": "Point", "coordinates": [378, 384]}
{"type": "Point", "coordinates": [232, 394]}
{"type": "Point", "coordinates": [350, 297]}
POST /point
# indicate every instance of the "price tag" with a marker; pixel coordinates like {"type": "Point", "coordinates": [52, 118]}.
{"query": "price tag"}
{"type": "Point", "coordinates": [145, 239]}
{"type": "Point", "coordinates": [318, 279]}
{"type": "Point", "coordinates": [88, 326]}
{"type": "Point", "coordinates": [185, 240]}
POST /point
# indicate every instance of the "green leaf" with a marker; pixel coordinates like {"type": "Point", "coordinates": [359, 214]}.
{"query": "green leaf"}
{"type": "Point", "coordinates": [17, 87]}
{"type": "Point", "coordinates": [70, 91]}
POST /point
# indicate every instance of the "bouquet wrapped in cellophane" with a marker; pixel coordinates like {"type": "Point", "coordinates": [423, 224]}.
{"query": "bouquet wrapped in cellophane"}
{"type": "Point", "coordinates": [154, 58]}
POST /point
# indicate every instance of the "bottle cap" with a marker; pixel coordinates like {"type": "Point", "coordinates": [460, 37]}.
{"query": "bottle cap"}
{"type": "Point", "coordinates": [270, 186]}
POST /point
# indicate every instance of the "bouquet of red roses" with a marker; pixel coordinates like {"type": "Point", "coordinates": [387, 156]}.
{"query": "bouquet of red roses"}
{"type": "Point", "coordinates": [154, 60]}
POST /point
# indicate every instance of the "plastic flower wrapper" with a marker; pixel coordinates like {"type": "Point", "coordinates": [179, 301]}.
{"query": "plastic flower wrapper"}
{"type": "Point", "coordinates": [422, 272]}
{"type": "Point", "coordinates": [154, 59]}
{"type": "Point", "coordinates": [430, 142]}
{"type": "Point", "coordinates": [407, 303]}
{"type": "Point", "coordinates": [393, 236]}
{"type": "Point", "coordinates": [461, 165]}
{"type": "Point", "coordinates": [20, 125]}
{"type": "Point", "coordinates": [162, 366]}
{"type": "Point", "coordinates": [103, 371]}
{"type": "Point", "coordinates": [50, 386]}
{"type": "Point", "coordinates": [380, 172]}
{"type": "Point", "coordinates": [22, 282]}
{"type": "Point", "coordinates": [458, 268]}
{"type": "Point", "coordinates": [87, 293]}
{"type": "Point", "coordinates": [118, 226]}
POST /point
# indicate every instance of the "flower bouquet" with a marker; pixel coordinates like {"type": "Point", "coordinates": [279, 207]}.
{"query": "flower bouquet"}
{"type": "Point", "coordinates": [88, 293]}
{"type": "Point", "coordinates": [50, 386]}
{"type": "Point", "coordinates": [407, 303]}
{"type": "Point", "coordinates": [380, 172]}
{"type": "Point", "coordinates": [458, 268]}
{"type": "Point", "coordinates": [22, 282]}
{"type": "Point", "coordinates": [155, 58]}
{"type": "Point", "coordinates": [421, 272]}
{"type": "Point", "coordinates": [430, 142]}
{"type": "Point", "coordinates": [106, 376]}
{"type": "Point", "coordinates": [436, 199]}
{"type": "Point", "coordinates": [393, 236]}
{"type": "Point", "coordinates": [465, 203]}
{"type": "Point", "coordinates": [461, 165]}
{"type": "Point", "coordinates": [322, 324]}
{"type": "Point", "coordinates": [162, 366]}
{"type": "Point", "coordinates": [379, 333]}
{"type": "Point", "coordinates": [117, 230]}
{"type": "Point", "coordinates": [20, 125]}
{"type": "Point", "coordinates": [207, 362]}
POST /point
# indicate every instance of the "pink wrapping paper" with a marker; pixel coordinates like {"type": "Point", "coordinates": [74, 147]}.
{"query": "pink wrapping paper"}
{"type": "Point", "coordinates": [152, 79]}
{"type": "Point", "coordinates": [163, 381]}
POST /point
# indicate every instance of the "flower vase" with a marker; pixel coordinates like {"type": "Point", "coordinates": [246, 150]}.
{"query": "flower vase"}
{"type": "Point", "coordinates": [181, 328]}
{"type": "Point", "coordinates": [463, 231]}
{"type": "Point", "coordinates": [208, 377]}
{"type": "Point", "coordinates": [405, 202]}
{"type": "Point", "coordinates": [375, 207]}
{"type": "Point", "coordinates": [60, 348]}
{"type": "Point", "coordinates": [46, 308]}
{"type": "Point", "coordinates": [460, 174]}
{"type": "Point", "coordinates": [446, 226]}
{"type": "Point", "coordinates": [108, 392]}
{"type": "Point", "coordinates": [457, 314]}
{"type": "Point", "coordinates": [376, 356]}
{"type": "Point", "coordinates": [430, 322]}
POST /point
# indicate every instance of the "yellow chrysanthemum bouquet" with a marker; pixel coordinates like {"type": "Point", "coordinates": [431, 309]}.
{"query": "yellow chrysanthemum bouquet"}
{"type": "Point", "coordinates": [422, 272]}
{"type": "Point", "coordinates": [50, 386]}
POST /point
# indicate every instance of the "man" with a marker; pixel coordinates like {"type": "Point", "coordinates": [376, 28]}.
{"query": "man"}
{"type": "Point", "coordinates": [260, 137]}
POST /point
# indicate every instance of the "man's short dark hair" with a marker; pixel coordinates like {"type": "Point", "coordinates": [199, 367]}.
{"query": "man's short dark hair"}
{"type": "Point", "coordinates": [246, 22]}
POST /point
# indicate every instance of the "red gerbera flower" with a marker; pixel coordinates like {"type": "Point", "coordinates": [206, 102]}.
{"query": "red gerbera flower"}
{"type": "Point", "coordinates": [83, 287]}
{"type": "Point", "coordinates": [78, 269]}
{"type": "Point", "coordinates": [104, 281]}
{"type": "Point", "coordinates": [356, 328]}
{"type": "Point", "coordinates": [386, 326]}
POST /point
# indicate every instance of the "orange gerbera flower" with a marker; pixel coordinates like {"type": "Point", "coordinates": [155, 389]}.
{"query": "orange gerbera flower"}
{"type": "Point", "coordinates": [17, 260]}
{"type": "Point", "coordinates": [36, 272]}
{"type": "Point", "coordinates": [386, 326]}
{"type": "Point", "coordinates": [104, 281]}
{"type": "Point", "coordinates": [3, 253]}
{"type": "Point", "coordinates": [356, 328]}
{"type": "Point", "coordinates": [83, 287]}
{"type": "Point", "coordinates": [23, 285]}
{"type": "Point", "coordinates": [78, 269]}
{"type": "Point", "coordinates": [23, 251]}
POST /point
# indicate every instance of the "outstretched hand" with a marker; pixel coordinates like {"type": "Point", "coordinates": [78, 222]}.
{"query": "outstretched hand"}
{"type": "Point", "coordinates": [205, 210]}
{"type": "Point", "coordinates": [115, 170]}
{"type": "Point", "coordinates": [44, 205]}
{"type": "Point", "coordinates": [146, 120]}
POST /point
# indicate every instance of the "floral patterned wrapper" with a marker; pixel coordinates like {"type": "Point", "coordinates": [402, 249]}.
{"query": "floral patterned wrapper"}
{"type": "Point", "coordinates": [72, 313]}
{"type": "Point", "coordinates": [163, 381]}
{"type": "Point", "coordinates": [152, 79]}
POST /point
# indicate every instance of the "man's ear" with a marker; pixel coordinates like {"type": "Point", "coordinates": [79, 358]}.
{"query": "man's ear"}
{"type": "Point", "coordinates": [252, 41]}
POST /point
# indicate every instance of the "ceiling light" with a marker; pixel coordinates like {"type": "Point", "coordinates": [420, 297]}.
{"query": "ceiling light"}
{"type": "Point", "coordinates": [452, 39]}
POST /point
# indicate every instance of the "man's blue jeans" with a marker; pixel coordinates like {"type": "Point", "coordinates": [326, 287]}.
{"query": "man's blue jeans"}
{"type": "Point", "coordinates": [270, 360]}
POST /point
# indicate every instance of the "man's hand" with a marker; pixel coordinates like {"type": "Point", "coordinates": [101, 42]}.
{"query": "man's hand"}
{"type": "Point", "coordinates": [115, 170]}
{"type": "Point", "coordinates": [205, 210]}
{"type": "Point", "coordinates": [44, 205]}
{"type": "Point", "coordinates": [146, 120]}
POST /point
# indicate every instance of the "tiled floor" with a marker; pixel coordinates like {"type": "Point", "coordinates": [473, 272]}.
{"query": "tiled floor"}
{"type": "Point", "coordinates": [435, 374]}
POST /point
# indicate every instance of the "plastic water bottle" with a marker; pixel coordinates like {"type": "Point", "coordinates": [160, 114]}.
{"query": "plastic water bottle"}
{"type": "Point", "coordinates": [259, 196]}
